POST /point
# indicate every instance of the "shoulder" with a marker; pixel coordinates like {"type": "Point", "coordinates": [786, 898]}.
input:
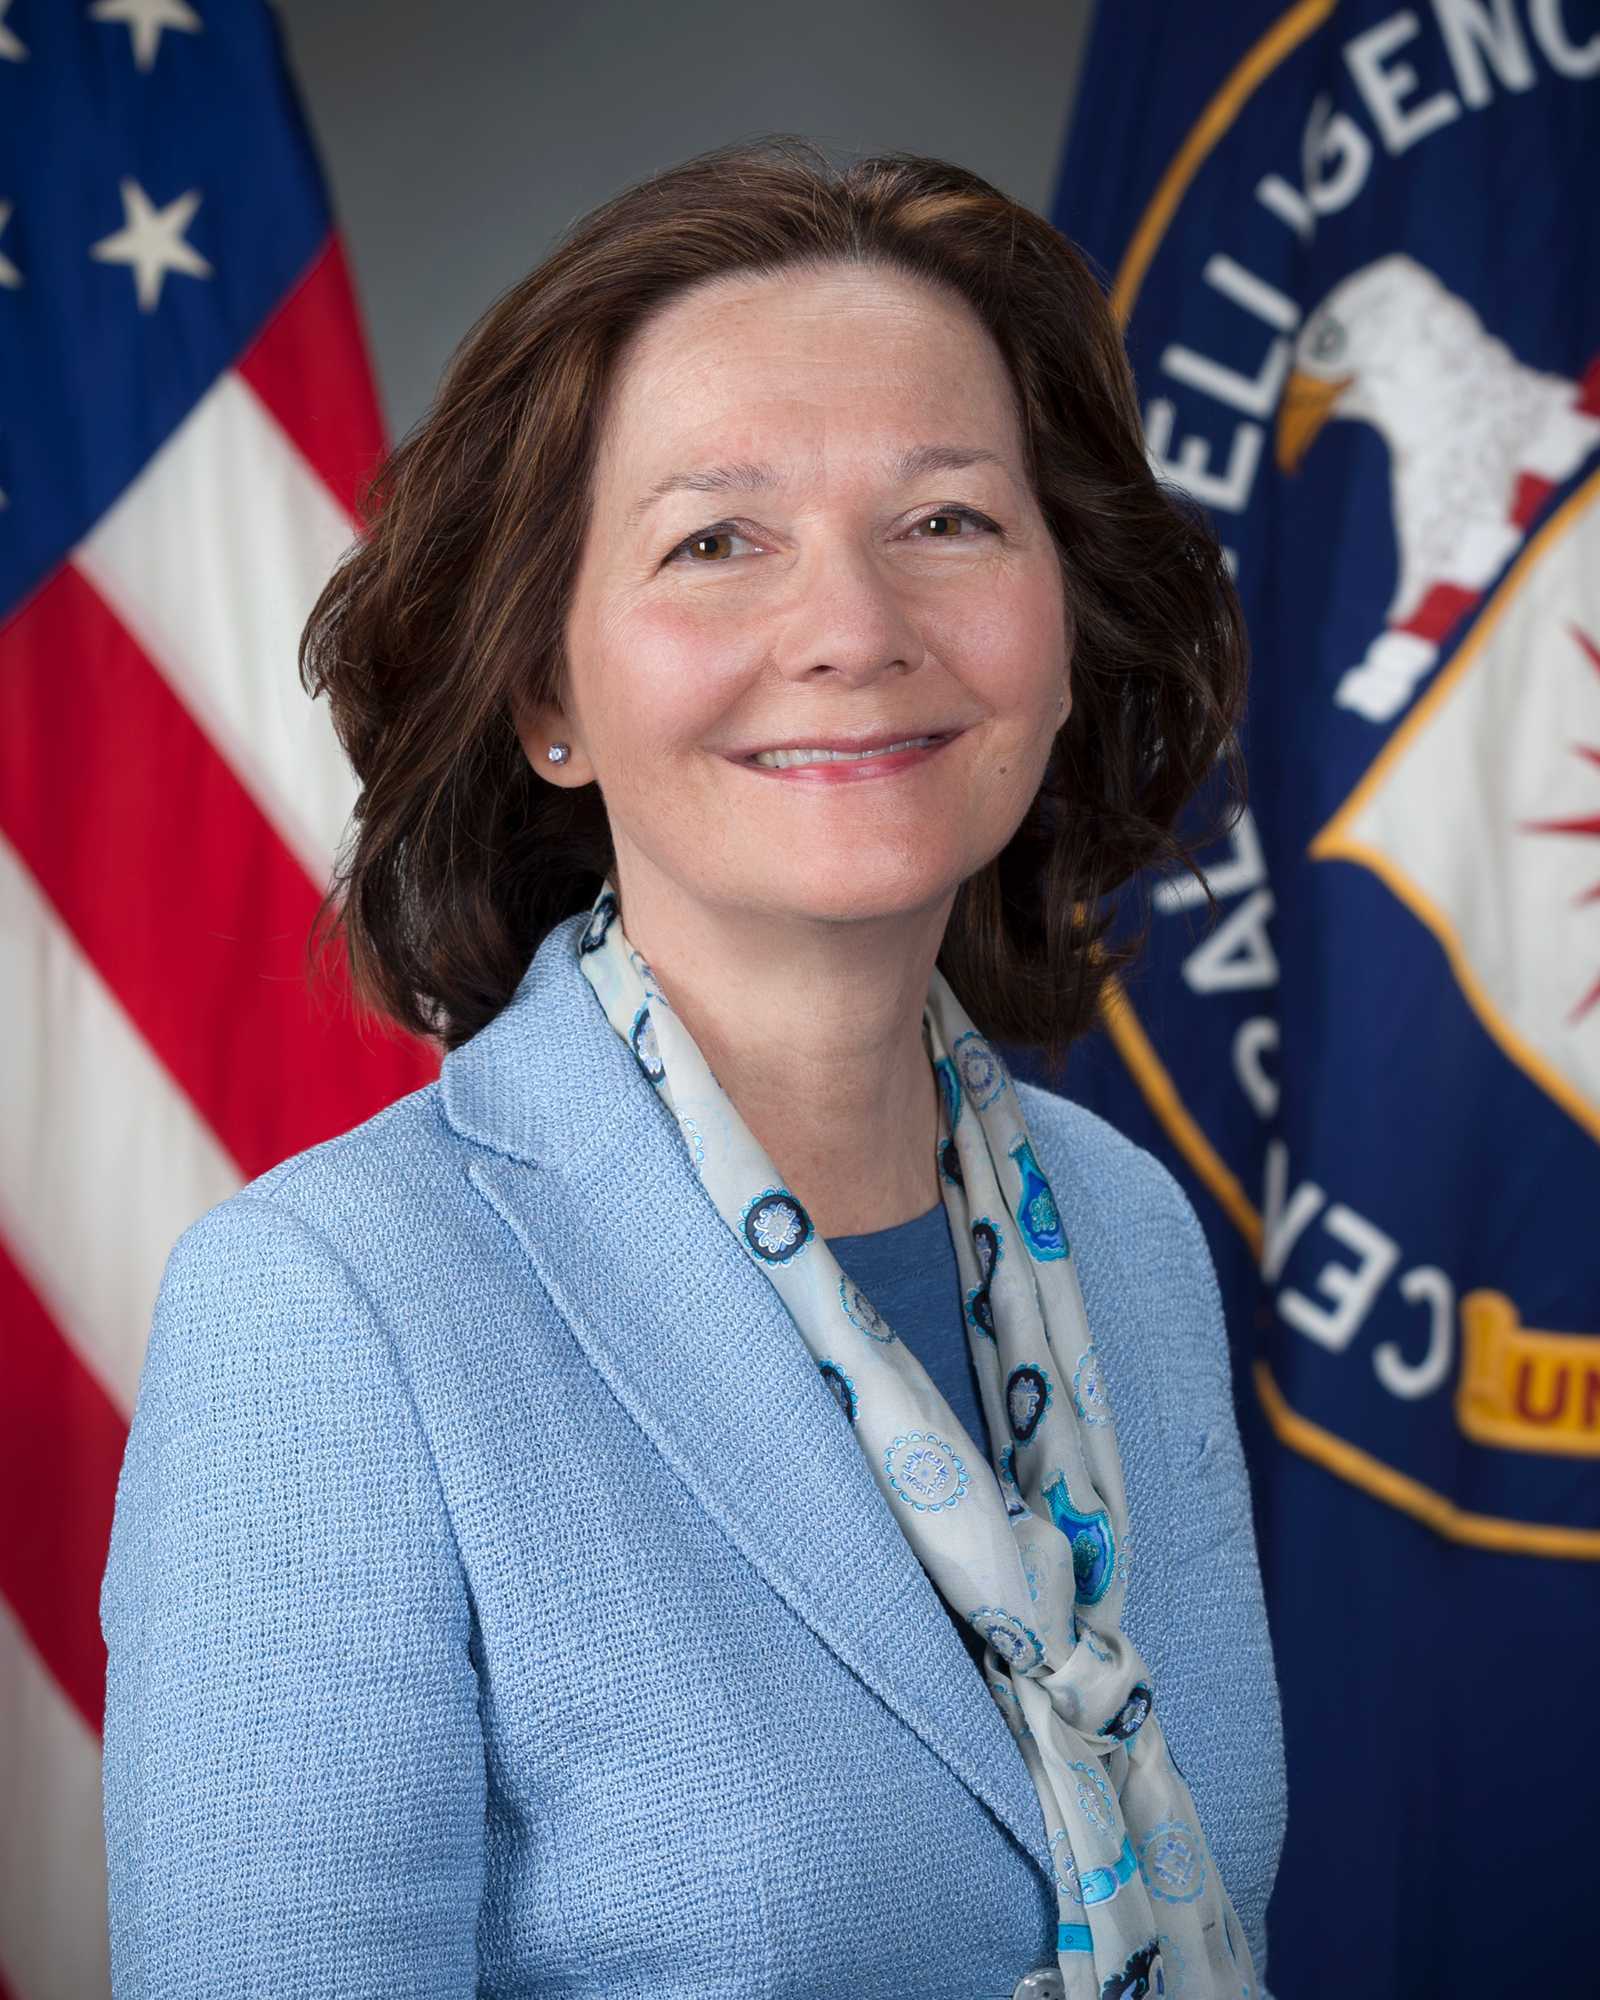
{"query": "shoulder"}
{"type": "Point", "coordinates": [1148, 1279]}
{"type": "Point", "coordinates": [325, 1267]}
{"type": "Point", "coordinates": [356, 1191]}
{"type": "Point", "coordinates": [282, 1255]}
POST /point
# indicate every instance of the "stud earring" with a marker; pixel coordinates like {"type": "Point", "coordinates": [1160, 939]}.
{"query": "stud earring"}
{"type": "Point", "coordinates": [558, 753]}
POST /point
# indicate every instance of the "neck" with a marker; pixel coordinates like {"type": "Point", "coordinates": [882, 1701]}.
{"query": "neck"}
{"type": "Point", "coordinates": [813, 1027]}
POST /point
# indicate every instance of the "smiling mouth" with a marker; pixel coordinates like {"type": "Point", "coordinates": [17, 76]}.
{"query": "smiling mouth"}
{"type": "Point", "coordinates": [787, 760]}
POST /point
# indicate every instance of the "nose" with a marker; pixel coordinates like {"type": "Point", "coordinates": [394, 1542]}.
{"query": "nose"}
{"type": "Point", "coordinates": [845, 619]}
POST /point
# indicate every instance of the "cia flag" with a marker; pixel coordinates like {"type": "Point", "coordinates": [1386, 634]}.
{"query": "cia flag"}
{"type": "Point", "coordinates": [1359, 272]}
{"type": "Point", "coordinates": [185, 415]}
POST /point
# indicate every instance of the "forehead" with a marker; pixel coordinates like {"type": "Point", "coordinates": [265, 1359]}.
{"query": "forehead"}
{"type": "Point", "coordinates": [813, 369]}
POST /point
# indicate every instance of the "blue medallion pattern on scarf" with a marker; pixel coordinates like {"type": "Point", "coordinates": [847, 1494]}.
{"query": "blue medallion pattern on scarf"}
{"type": "Point", "coordinates": [1093, 1547]}
{"type": "Point", "coordinates": [1037, 1215]}
{"type": "Point", "coordinates": [1173, 1862]}
{"type": "Point", "coordinates": [642, 1040]}
{"type": "Point", "coordinates": [862, 1314]}
{"type": "Point", "coordinates": [950, 1089]}
{"type": "Point", "coordinates": [1141, 1978]}
{"type": "Point", "coordinates": [1088, 1391]}
{"type": "Point", "coordinates": [1027, 1400]}
{"type": "Point", "coordinates": [925, 1472]}
{"type": "Point", "coordinates": [1016, 1643]}
{"type": "Point", "coordinates": [600, 921]}
{"type": "Point", "coordinates": [775, 1226]}
{"type": "Point", "coordinates": [982, 1075]}
{"type": "Point", "coordinates": [1011, 1492]}
{"type": "Point", "coordinates": [841, 1388]}
{"type": "Point", "coordinates": [1128, 1720]}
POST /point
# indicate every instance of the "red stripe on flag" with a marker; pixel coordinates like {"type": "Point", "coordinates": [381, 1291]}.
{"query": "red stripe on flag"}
{"type": "Point", "coordinates": [61, 1446]}
{"type": "Point", "coordinates": [177, 887]}
{"type": "Point", "coordinates": [309, 366]}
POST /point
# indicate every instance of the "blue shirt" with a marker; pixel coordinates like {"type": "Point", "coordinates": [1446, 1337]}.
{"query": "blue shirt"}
{"type": "Point", "coordinates": [910, 1274]}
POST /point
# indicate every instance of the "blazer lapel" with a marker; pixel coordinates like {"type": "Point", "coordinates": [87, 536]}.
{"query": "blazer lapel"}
{"type": "Point", "coordinates": [585, 1165]}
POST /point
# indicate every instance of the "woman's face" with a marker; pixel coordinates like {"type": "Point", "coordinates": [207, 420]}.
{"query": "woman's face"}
{"type": "Point", "coordinates": [789, 548]}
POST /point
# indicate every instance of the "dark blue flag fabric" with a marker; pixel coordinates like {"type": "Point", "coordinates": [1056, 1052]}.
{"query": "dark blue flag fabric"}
{"type": "Point", "coordinates": [1356, 252]}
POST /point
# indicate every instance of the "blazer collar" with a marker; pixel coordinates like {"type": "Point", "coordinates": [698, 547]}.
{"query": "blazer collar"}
{"type": "Point", "coordinates": [697, 1346]}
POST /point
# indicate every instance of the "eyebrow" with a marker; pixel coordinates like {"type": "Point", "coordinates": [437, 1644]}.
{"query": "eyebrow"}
{"type": "Point", "coordinates": [744, 476]}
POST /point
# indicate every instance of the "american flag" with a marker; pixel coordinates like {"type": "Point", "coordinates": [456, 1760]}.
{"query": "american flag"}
{"type": "Point", "coordinates": [186, 411]}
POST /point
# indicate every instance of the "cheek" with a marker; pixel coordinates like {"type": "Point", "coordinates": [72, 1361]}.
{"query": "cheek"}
{"type": "Point", "coordinates": [1013, 655]}
{"type": "Point", "coordinates": [663, 684]}
{"type": "Point", "coordinates": [1010, 644]}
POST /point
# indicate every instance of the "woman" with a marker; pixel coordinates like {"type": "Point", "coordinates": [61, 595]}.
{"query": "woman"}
{"type": "Point", "coordinates": [643, 1515]}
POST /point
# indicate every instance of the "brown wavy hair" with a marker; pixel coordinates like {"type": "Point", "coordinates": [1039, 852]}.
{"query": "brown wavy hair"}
{"type": "Point", "coordinates": [448, 613]}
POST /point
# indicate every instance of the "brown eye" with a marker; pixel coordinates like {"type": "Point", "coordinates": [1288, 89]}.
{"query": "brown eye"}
{"type": "Point", "coordinates": [702, 548]}
{"type": "Point", "coordinates": [953, 517]}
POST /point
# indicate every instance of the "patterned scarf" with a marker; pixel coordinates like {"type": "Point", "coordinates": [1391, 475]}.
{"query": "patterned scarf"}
{"type": "Point", "coordinates": [1031, 1551]}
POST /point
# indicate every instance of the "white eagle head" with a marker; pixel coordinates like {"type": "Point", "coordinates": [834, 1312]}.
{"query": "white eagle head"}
{"type": "Point", "coordinates": [1369, 346]}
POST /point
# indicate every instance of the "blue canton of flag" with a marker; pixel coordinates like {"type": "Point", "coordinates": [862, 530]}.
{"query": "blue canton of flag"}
{"type": "Point", "coordinates": [1357, 257]}
{"type": "Point", "coordinates": [186, 417]}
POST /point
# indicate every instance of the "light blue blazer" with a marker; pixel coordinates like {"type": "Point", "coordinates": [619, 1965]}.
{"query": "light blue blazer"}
{"type": "Point", "coordinates": [498, 1605]}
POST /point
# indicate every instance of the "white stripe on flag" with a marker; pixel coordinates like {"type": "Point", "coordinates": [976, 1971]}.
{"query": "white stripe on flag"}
{"type": "Point", "coordinates": [104, 1161]}
{"type": "Point", "coordinates": [53, 1943]}
{"type": "Point", "coordinates": [212, 559]}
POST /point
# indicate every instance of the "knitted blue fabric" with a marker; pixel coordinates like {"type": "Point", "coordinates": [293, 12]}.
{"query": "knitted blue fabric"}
{"type": "Point", "coordinates": [497, 1604]}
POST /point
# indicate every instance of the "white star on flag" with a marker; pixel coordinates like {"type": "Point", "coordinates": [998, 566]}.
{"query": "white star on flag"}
{"type": "Point", "coordinates": [145, 19]}
{"type": "Point", "coordinates": [151, 241]}
{"type": "Point", "coordinates": [12, 49]}
{"type": "Point", "coordinates": [9, 274]}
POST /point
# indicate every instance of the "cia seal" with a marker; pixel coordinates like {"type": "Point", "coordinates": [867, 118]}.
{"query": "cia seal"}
{"type": "Point", "coordinates": [776, 1227]}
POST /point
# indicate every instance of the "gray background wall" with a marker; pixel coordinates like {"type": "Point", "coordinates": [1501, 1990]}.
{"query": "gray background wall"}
{"type": "Point", "coordinates": [461, 136]}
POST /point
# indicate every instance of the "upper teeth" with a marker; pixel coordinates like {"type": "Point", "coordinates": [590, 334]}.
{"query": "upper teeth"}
{"type": "Point", "coordinates": [780, 760]}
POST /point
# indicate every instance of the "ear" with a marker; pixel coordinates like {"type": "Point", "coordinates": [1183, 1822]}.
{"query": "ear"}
{"type": "Point", "coordinates": [538, 726]}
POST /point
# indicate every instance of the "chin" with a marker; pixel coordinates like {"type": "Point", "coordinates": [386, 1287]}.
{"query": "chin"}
{"type": "Point", "coordinates": [852, 890]}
